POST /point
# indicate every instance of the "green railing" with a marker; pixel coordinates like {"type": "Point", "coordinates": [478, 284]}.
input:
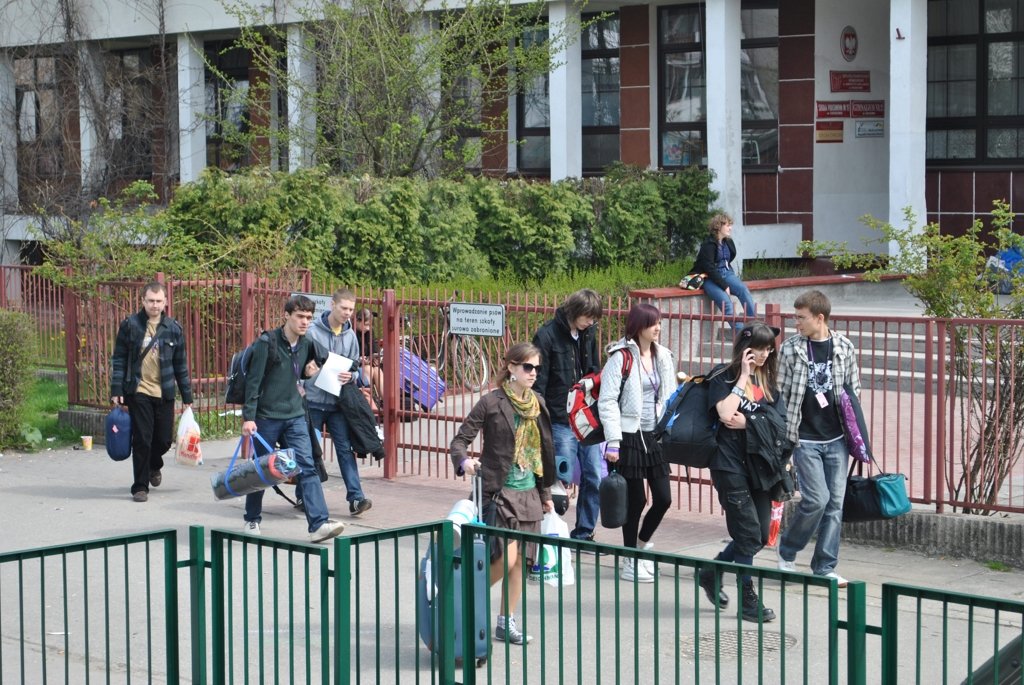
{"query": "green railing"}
{"type": "Point", "coordinates": [952, 637]}
{"type": "Point", "coordinates": [91, 611]}
{"type": "Point", "coordinates": [260, 610]}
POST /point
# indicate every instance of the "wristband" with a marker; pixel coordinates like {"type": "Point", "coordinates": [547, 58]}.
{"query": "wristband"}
{"type": "Point", "coordinates": [736, 390]}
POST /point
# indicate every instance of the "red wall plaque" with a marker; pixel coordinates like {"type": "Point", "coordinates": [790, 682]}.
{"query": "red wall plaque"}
{"type": "Point", "coordinates": [833, 109]}
{"type": "Point", "coordinates": [850, 81]}
{"type": "Point", "coordinates": [867, 109]}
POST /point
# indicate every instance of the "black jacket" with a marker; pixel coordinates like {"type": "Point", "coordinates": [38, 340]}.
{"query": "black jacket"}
{"type": "Point", "coordinates": [362, 424]}
{"type": "Point", "coordinates": [769, 450]}
{"type": "Point", "coordinates": [707, 260]}
{"type": "Point", "coordinates": [126, 362]}
{"type": "Point", "coordinates": [564, 361]}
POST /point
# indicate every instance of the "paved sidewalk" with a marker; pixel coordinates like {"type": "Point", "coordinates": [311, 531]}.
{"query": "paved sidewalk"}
{"type": "Point", "coordinates": [65, 495]}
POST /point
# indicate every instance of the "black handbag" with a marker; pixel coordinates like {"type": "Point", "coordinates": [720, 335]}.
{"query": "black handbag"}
{"type": "Point", "coordinates": [874, 498]}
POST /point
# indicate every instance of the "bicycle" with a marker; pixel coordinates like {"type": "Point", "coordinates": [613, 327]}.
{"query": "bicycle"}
{"type": "Point", "coordinates": [469, 365]}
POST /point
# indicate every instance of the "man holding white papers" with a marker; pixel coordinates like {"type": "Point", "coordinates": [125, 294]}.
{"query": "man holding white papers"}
{"type": "Point", "coordinates": [332, 332]}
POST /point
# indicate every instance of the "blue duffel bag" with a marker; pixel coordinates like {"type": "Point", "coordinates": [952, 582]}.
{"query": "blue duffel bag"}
{"type": "Point", "coordinates": [119, 434]}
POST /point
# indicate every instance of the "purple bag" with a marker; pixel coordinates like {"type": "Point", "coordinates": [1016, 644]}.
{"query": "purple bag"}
{"type": "Point", "coordinates": [854, 428]}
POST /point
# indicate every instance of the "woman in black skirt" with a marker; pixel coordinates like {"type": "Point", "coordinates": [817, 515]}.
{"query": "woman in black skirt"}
{"type": "Point", "coordinates": [517, 465]}
{"type": "Point", "coordinates": [629, 412]}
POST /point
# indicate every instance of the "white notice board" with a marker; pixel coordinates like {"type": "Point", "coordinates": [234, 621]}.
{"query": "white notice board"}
{"type": "Point", "coordinates": [466, 318]}
{"type": "Point", "coordinates": [323, 303]}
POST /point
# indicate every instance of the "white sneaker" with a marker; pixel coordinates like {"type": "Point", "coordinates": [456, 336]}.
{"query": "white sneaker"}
{"type": "Point", "coordinates": [840, 581]}
{"type": "Point", "coordinates": [646, 565]}
{"type": "Point", "coordinates": [785, 565]}
{"type": "Point", "coordinates": [631, 572]}
{"type": "Point", "coordinates": [327, 530]}
{"type": "Point", "coordinates": [252, 528]}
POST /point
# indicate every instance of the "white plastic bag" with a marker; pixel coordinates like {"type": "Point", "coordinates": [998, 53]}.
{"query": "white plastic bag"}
{"type": "Point", "coordinates": [189, 451]}
{"type": "Point", "coordinates": [551, 566]}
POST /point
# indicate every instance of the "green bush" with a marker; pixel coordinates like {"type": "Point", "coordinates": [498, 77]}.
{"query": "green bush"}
{"type": "Point", "coordinates": [17, 334]}
{"type": "Point", "coordinates": [396, 231]}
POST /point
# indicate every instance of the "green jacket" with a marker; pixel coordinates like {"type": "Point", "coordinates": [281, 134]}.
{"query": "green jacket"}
{"type": "Point", "coordinates": [276, 397]}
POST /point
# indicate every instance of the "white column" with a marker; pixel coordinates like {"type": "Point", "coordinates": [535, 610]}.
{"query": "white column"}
{"type": "Point", "coordinates": [191, 108]}
{"type": "Point", "coordinates": [564, 89]}
{"type": "Point", "coordinates": [301, 117]}
{"type": "Point", "coordinates": [92, 115]}
{"type": "Point", "coordinates": [8, 137]}
{"type": "Point", "coordinates": [908, 79]}
{"type": "Point", "coordinates": [724, 111]}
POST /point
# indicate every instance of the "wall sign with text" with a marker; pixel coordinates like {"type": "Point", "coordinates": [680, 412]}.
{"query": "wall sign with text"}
{"type": "Point", "coordinates": [849, 81]}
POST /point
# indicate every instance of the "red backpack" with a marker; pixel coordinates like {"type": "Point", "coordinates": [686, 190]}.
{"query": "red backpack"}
{"type": "Point", "coordinates": [581, 404]}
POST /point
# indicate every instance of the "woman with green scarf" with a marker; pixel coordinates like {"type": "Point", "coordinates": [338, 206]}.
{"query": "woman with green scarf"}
{"type": "Point", "coordinates": [517, 465]}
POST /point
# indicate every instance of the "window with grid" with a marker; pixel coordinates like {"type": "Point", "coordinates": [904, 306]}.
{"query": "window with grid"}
{"type": "Point", "coordinates": [39, 115]}
{"type": "Point", "coordinates": [599, 52]}
{"type": "Point", "coordinates": [682, 92]}
{"type": "Point", "coordinates": [759, 83]}
{"type": "Point", "coordinates": [975, 96]}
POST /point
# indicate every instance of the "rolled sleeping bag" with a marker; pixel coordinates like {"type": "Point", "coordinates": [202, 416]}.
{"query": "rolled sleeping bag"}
{"type": "Point", "coordinates": [613, 496]}
{"type": "Point", "coordinates": [247, 476]}
{"type": "Point", "coordinates": [565, 467]}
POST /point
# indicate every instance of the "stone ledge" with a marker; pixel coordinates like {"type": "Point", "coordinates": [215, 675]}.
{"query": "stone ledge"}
{"type": "Point", "coordinates": [86, 420]}
{"type": "Point", "coordinates": [982, 538]}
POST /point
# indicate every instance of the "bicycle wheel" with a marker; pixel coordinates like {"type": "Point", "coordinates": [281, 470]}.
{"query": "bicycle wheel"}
{"type": "Point", "coordinates": [470, 363]}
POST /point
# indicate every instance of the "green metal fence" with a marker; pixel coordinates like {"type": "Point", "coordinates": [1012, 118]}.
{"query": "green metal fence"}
{"type": "Point", "coordinates": [260, 610]}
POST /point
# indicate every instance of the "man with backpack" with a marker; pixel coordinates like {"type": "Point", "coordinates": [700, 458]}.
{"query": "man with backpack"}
{"type": "Point", "coordinates": [274, 405]}
{"type": "Point", "coordinates": [149, 358]}
{"type": "Point", "coordinates": [568, 346]}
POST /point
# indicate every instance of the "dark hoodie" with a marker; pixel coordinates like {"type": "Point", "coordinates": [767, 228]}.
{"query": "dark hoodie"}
{"type": "Point", "coordinates": [564, 360]}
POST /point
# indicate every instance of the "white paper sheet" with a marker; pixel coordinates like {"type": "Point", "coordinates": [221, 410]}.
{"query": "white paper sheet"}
{"type": "Point", "coordinates": [327, 379]}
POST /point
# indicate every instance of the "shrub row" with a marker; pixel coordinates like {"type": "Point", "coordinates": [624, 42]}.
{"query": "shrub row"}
{"type": "Point", "coordinates": [401, 231]}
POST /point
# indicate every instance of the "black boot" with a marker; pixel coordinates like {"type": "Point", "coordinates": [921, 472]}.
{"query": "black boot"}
{"type": "Point", "coordinates": [752, 605]}
{"type": "Point", "coordinates": [707, 578]}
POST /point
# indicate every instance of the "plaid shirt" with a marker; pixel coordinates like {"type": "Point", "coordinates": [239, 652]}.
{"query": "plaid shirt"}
{"type": "Point", "coordinates": [126, 362]}
{"type": "Point", "coordinates": [793, 375]}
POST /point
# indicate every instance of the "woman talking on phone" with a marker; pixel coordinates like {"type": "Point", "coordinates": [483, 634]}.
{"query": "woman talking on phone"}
{"type": "Point", "coordinates": [750, 467]}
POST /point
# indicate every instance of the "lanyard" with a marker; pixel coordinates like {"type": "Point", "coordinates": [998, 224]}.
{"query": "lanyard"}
{"type": "Point", "coordinates": [810, 350]}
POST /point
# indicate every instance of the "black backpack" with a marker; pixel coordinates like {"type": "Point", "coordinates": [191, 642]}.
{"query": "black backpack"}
{"type": "Point", "coordinates": [238, 370]}
{"type": "Point", "coordinates": [688, 428]}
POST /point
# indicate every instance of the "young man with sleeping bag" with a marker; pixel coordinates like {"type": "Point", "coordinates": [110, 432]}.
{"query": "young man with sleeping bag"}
{"type": "Point", "coordinates": [274, 407]}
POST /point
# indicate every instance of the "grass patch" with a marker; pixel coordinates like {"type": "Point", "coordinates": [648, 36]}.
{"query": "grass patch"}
{"type": "Point", "coordinates": [767, 269]}
{"type": "Point", "coordinates": [44, 399]}
{"type": "Point", "coordinates": [998, 566]}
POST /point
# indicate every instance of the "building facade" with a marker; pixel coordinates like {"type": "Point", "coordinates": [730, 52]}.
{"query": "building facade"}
{"type": "Point", "coordinates": [811, 113]}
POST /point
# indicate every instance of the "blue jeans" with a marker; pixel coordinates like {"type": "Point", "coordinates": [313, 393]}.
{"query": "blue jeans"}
{"type": "Point", "coordinates": [736, 288]}
{"type": "Point", "coordinates": [588, 502]}
{"type": "Point", "coordinates": [821, 470]}
{"type": "Point", "coordinates": [337, 426]}
{"type": "Point", "coordinates": [296, 433]}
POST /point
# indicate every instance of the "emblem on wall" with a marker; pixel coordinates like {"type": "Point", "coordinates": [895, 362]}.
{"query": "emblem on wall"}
{"type": "Point", "coordinates": [848, 43]}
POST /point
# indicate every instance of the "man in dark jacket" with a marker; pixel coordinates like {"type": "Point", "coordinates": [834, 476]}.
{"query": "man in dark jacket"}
{"type": "Point", "coordinates": [274, 406]}
{"type": "Point", "coordinates": [149, 358]}
{"type": "Point", "coordinates": [568, 346]}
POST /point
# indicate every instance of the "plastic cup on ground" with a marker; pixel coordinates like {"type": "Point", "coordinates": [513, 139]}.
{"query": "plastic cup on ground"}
{"type": "Point", "coordinates": [86, 442]}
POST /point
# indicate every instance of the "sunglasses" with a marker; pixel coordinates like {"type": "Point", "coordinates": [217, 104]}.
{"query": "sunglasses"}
{"type": "Point", "coordinates": [530, 368]}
